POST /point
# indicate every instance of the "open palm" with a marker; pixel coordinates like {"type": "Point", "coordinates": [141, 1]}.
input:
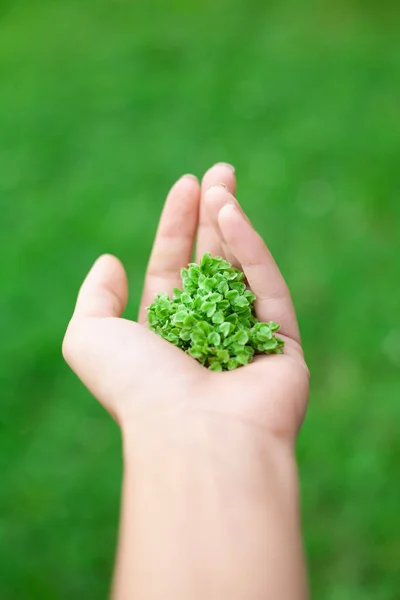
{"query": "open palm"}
{"type": "Point", "coordinates": [136, 374]}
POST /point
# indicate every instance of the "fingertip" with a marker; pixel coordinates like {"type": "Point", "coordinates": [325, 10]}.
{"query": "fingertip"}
{"type": "Point", "coordinates": [228, 212]}
{"type": "Point", "coordinates": [110, 268]}
{"type": "Point", "coordinates": [190, 176]}
{"type": "Point", "coordinates": [189, 181]}
{"type": "Point", "coordinates": [220, 173]}
{"type": "Point", "coordinates": [226, 165]}
{"type": "Point", "coordinates": [214, 199]}
{"type": "Point", "coordinates": [186, 184]}
{"type": "Point", "coordinates": [108, 261]}
{"type": "Point", "coordinates": [233, 225]}
{"type": "Point", "coordinates": [217, 190]}
{"type": "Point", "coordinates": [105, 289]}
{"type": "Point", "coordinates": [187, 188]}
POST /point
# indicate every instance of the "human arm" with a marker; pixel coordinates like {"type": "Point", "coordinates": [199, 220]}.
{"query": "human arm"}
{"type": "Point", "coordinates": [210, 502]}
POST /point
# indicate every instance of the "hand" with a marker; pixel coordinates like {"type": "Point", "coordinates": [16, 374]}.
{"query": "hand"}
{"type": "Point", "coordinates": [209, 504]}
{"type": "Point", "coordinates": [138, 376]}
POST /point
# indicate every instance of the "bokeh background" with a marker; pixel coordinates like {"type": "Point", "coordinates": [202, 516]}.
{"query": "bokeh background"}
{"type": "Point", "coordinates": [103, 104]}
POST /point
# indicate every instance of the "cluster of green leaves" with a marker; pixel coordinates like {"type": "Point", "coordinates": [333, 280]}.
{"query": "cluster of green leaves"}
{"type": "Point", "coordinates": [213, 317]}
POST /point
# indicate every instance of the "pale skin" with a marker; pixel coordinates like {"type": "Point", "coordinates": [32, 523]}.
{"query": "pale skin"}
{"type": "Point", "coordinates": [210, 501]}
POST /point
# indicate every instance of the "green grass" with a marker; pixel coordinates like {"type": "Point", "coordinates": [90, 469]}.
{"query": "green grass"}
{"type": "Point", "coordinates": [102, 106]}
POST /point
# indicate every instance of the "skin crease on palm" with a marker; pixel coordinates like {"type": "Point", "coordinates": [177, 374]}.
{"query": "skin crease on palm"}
{"type": "Point", "coordinates": [137, 375]}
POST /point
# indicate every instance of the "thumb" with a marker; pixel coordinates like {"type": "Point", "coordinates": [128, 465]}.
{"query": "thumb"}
{"type": "Point", "coordinates": [104, 293]}
{"type": "Point", "coordinates": [113, 357]}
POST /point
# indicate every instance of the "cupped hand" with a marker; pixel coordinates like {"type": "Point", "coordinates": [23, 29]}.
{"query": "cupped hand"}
{"type": "Point", "coordinates": [137, 375]}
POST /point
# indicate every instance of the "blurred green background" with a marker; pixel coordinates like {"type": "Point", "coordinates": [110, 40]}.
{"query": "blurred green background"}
{"type": "Point", "coordinates": [103, 104]}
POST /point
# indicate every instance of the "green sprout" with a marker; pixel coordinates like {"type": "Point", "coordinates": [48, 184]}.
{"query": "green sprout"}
{"type": "Point", "coordinates": [213, 318]}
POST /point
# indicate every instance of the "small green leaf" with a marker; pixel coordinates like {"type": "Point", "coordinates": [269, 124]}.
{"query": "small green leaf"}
{"type": "Point", "coordinates": [197, 303]}
{"type": "Point", "coordinates": [238, 286]}
{"type": "Point", "coordinates": [249, 351]}
{"type": "Point", "coordinates": [223, 305]}
{"type": "Point", "coordinates": [210, 284]}
{"type": "Point", "coordinates": [171, 337]}
{"type": "Point", "coordinates": [214, 338]}
{"type": "Point", "coordinates": [153, 320]}
{"type": "Point", "coordinates": [225, 328]}
{"type": "Point", "coordinates": [232, 319]}
{"type": "Point", "coordinates": [186, 298]}
{"type": "Point", "coordinates": [215, 366]}
{"type": "Point", "coordinates": [244, 321]}
{"type": "Point", "coordinates": [185, 335]}
{"type": "Point", "coordinates": [206, 306]}
{"type": "Point", "coordinates": [235, 347]}
{"type": "Point", "coordinates": [223, 356]}
{"type": "Point", "coordinates": [162, 313]}
{"type": "Point", "coordinates": [201, 281]}
{"type": "Point", "coordinates": [190, 321]}
{"type": "Point", "coordinates": [241, 337]}
{"type": "Point", "coordinates": [249, 295]}
{"type": "Point", "coordinates": [195, 353]}
{"type": "Point", "coordinates": [274, 326]}
{"type": "Point", "coordinates": [218, 317]}
{"type": "Point", "coordinates": [211, 310]}
{"type": "Point", "coordinates": [176, 293]}
{"type": "Point", "coordinates": [194, 272]}
{"type": "Point", "coordinates": [189, 286]}
{"type": "Point", "coordinates": [264, 333]}
{"type": "Point", "coordinates": [197, 337]}
{"type": "Point", "coordinates": [215, 298]}
{"type": "Point", "coordinates": [179, 317]}
{"type": "Point", "coordinates": [223, 265]}
{"type": "Point", "coordinates": [204, 326]}
{"type": "Point", "coordinates": [232, 364]}
{"type": "Point", "coordinates": [242, 358]}
{"type": "Point", "coordinates": [223, 287]}
{"type": "Point", "coordinates": [241, 301]}
{"type": "Point", "coordinates": [270, 345]}
{"type": "Point", "coordinates": [231, 274]}
{"type": "Point", "coordinates": [206, 261]}
{"type": "Point", "coordinates": [232, 295]}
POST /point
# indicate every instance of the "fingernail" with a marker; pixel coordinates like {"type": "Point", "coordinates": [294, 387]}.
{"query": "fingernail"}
{"type": "Point", "coordinates": [236, 206]}
{"type": "Point", "coordinates": [218, 185]}
{"type": "Point", "coordinates": [230, 205]}
{"type": "Point", "coordinates": [224, 164]}
{"type": "Point", "coordinates": [189, 176]}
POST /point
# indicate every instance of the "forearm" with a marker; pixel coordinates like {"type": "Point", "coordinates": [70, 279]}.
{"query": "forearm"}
{"type": "Point", "coordinates": [202, 519]}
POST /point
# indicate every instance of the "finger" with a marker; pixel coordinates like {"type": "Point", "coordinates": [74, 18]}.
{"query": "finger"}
{"type": "Point", "coordinates": [263, 275]}
{"type": "Point", "coordinates": [173, 245]}
{"type": "Point", "coordinates": [214, 199]}
{"type": "Point", "coordinates": [104, 293]}
{"type": "Point", "coordinates": [207, 238]}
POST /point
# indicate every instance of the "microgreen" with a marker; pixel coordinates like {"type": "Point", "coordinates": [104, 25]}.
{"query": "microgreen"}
{"type": "Point", "coordinates": [213, 318]}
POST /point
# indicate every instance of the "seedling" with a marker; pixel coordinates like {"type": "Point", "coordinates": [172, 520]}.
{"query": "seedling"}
{"type": "Point", "coordinates": [213, 318]}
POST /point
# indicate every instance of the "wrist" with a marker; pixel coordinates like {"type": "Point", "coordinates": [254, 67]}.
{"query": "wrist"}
{"type": "Point", "coordinates": [246, 456]}
{"type": "Point", "coordinates": [211, 506]}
